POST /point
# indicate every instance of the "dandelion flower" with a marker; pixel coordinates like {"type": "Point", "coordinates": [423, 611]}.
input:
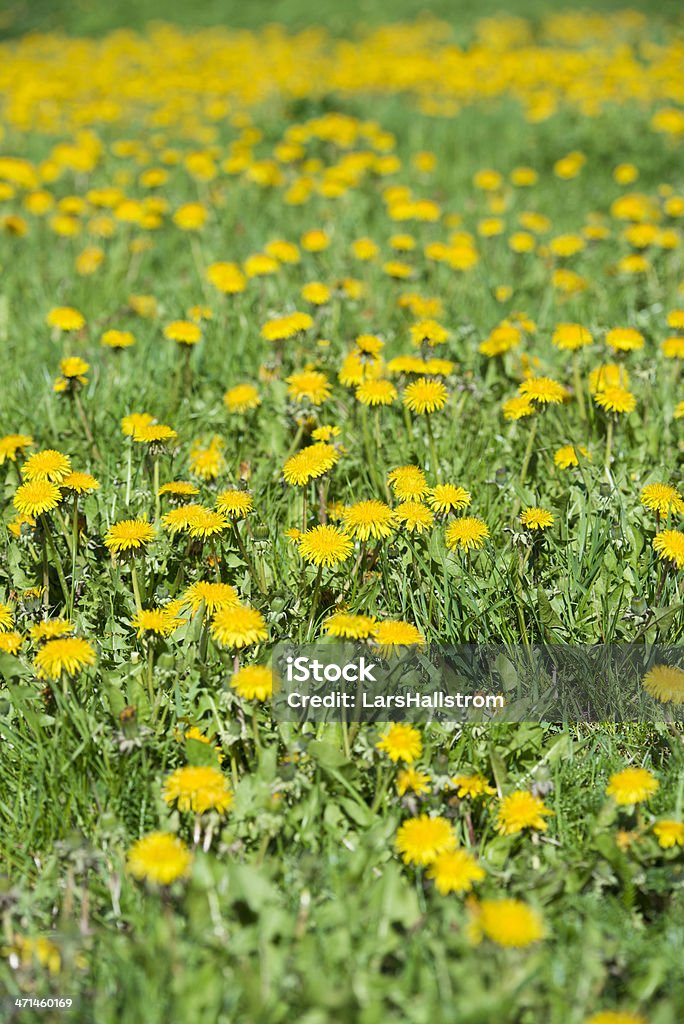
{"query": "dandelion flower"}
{"type": "Point", "coordinates": [408, 483]}
{"type": "Point", "coordinates": [129, 535]}
{"type": "Point", "coordinates": [662, 498]}
{"type": "Point", "coordinates": [669, 833]}
{"type": "Point", "coordinates": [117, 339]}
{"type": "Point", "coordinates": [134, 421]}
{"type": "Point", "coordinates": [179, 520]}
{"type": "Point", "coordinates": [521, 810]}
{"type": "Point", "coordinates": [367, 519]}
{"type": "Point", "coordinates": [205, 523]}
{"type": "Point", "coordinates": [154, 620]}
{"type": "Point", "coordinates": [325, 545]}
{"type": "Point", "coordinates": [567, 457]}
{"type": "Point", "coordinates": [352, 627]}
{"type": "Point", "coordinates": [631, 786]}
{"type": "Point", "coordinates": [669, 544]}
{"type": "Point", "coordinates": [68, 655]}
{"type": "Point", "coordinates": [616, 399]}
{"type": "Point", "coordinates": [206, 460]}
{"type": "Point", "coordinates": [65, 318]}
{"type": "Point", "coordinates": [615, 1017]}
{"type": "Point", "coordinates": [446, 498]}
{"type": "Point", "coordinates": [253, 682]}
{"type": "Point", "coordinates": [410, 779]}
{"type": "Point", "coordinates": [421, 840]}
{"type": "Point", "coordinates": [235, 504]}
{"type": "Point", "coordinates": [242, 398]}
{"type": "Point", "coordinates": [184, 332]}
{"type": "Point", "coordinates": [569, 337]}
{"type": "Point", "coordinates": [11, 642]}
{"type": "Point", "coordinates": [179, 489]}
{"type": "Point", "coordinates": [401, 743]}
{"type": "Point", "coordinates": [238, 626]}
{"type": "Point", "coordinates": [535, 518]}
{"type": "Point", "coordinates": [309, 385]}
{"type": "Point", "coordinates": [11, 444]}
{"type": "Point", "coordinates": [213, 595]}
{"type": "Point", "coordinates": [198, 789]}
{"type": "Point", "coordinates": [47, 465]}
{"type": "Point", "coordinates": [415, 517]}
{"type": "Point", "coordinates": [467, 534]}
{"type": "Point", "coordinates": [154, 434]}
{"type": "Point", "coordinates": [543, 390]}
{"type": "Point", "coordinates": [80, 483]}
{"type": "Point", "coordinates": [517, 408]}
{"type": "Point", "coordinates": [37, 497]}
{"type": "Point", "coordinates": [665, 683]}
{"type": "Point", "coordinates": [6, 617]}
{"type": "Point", "coordinates": [49, 629]}
{"type": "Point", "coordinates": [310, 463]}
{"type": "Point", "coordinates": [425, 396]}
{"type": "Point", "coordinates": [378, 391]}
{"type": "Point", "coordinates": [506, 922]}
{"type": "Point", "coordinates": [472, 786]}
{"type": "Point", "coordinates": [455, 871]}
{"type": "Point", "coordinates": [624, 339]}
{"type": "Point", "coordinates": [393, 633]}
{"type": "Point", "coordinates": [159, 857]}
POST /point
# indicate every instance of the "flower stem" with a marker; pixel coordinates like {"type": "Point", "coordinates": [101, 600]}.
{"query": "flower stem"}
{"type": "Point", "coordinates": [136, 588]}
{"type": "Point", "coordinates": [74, 552]}
{"type": "Point", "coordinates": [579, 386]}
{"type": "Point", "coordinates": [609, 449]}
{"type": "Point", "coordinates": [58, 561]}
{"type": "Point", "coordinates": [314, 603]}
{"type": "Point", "coordinates": [433, 450]}
{"type": "Point", "coordinates": [528, 453]}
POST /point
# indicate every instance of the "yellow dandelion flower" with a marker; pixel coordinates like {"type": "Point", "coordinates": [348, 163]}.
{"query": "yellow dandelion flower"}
{"type": "Point", "coordinates": [615, 1017]}
{"type": "Point", "coordinates": [325, 545]}
{"type": "Point", "coordinates": [378, 391]}
{"type": "Point", "coordinates": [631, 786]}
{"type": "Point", "coordinates": [521, 810]}
{"type": "Point", "coordinates": [179, 489]}
{"type": "Point", "coordinates": [446, 498]}
{"type": "Point", "coordinates": [6, 617]}
{"type": "Point", "coordinates": [609, 375]}
{"type": "Point", "coordinates": [117, 339]}
{"type": "Point", "coordinates": [206, 460]}
{"type": "Point", "coordinates": [50, 629]}
{"type": "Point", "coordinates": [310, 463]}
{"type": "Point", "coordinates": [66, 655]}
{"type": "Point", "coordinates": [129, 535]}
{"type": "Point", "coordinates": [154, 620]}
{"type": "Point", "coordinates": [570, 337]}
{"type": "Point", "coordinates": [428, 332]}
{"type": "Point", "coordinates": [669, 833]}
{"type": "Point", "coordinates": [455, 871]}
{"type": "Point", "coordinates": [11, 642]}
{"type": "Point", "coordinates": [665, 683]}
{"type": "Point", "coordinates": [421, 840]}
{"type": "Point", "coordinates": [316, 293]}
{"type": "Point", "coordinates": [425, 396]}
{"type": "Point", "coordinates": [253, 682]}
{"type": "Point", "coordinates": [535, 518]}
{"type": "Point", "coordinates": [227, 278]}
{"type": "Point", "coordinates": [662, 498]}
{"type": "Point", "coordinates": [238, 626]}
{"type": "Point", "coordinates": [65, 318]}
{"type": "Point", "coordinates": [235, 504]}
{"type": "Point", "coordinates": [472, 786]}
{"type": "Point", "coordinates": [159, 857]}
{"type": "Point", "coordinates": [624, 339]}
{"type": "Point", "coordinates": [12, 444]}
{"type": "Point", "coordinates": [156, 434]}
{"type": "Point", "coordinates": [134, 421]}
{"type": "Point", "coordinates": [617, 400]}
{"type": "Point", "coordinates": [205, 522]}
{"type": "Point", "coordinates": [179, 520]}
{"type": "Point", "coordinates": [36, 497]}
{"type": "Point", "coordinates": [410, 779]}
{"type": "Point", "coordinates": [213, 595]}
{"type": "Point", "coordinates": [543, 390]}
{"type": "Point", "coordinates": [414, 516]}
{"type": "Point", "coordinates": [568, 456]}
{"type": "Point", "coordinates": [507, 922]}
{"type": "Point", "coordinates": [517, 408]}
{"type": "Point", "coordinates": [242, 398]}
{"type": "Point", "coordinates": [353, 627]}
{"type": "Point", "coordinates": [281, 328]}
{"type": "Point", "coordinates": [366, 519]}
{"type": "Point", "coordinates": [408, 483]}
{"type": "Point", "coordinates": [401, 743]}
{"type": "Point", "coordinates": [393, 633]}
{"type": "Point", "coordinates": [669, 545]}
{"type": "Point", "coordinates": [467, 534]}
{"type": "Point", "coordinates": [80, 483]}
{"type": "Point", "coordinates": [198, 789]}
{"type": "Point", "coordinates": [47, 465]}
{"type": "Point", "coordinates": [309, 385]}
{"type": "Point", "coordinates": [185, 332]}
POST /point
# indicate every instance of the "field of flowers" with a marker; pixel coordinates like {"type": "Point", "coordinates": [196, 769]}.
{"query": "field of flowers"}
{"type": "Point", "coordinates": [373, 336]}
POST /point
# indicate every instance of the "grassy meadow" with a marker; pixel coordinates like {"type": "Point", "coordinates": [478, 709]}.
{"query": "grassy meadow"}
{"type": "Point", "coordinates": [367, 325]}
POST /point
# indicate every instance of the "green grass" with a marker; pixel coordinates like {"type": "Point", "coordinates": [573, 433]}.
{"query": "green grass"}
{"type": "Point", "coordinates": [300, 909]}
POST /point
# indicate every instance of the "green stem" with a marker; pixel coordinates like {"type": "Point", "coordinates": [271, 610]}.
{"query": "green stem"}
{"type": "Point", "coordinates": [609, 449]}
{"type": "Point", "coordinates": [433, 450]}
{"type": "Point", "coordinates": [579, 386]}
{"type": "Point", "coordinates": [58, 561]}
{"type": "Point", "coordinates": [255, 728]}
{"type": "Point", "coordinates": [314, 603]}
{"type": "Point", "coordinates": [150, 674]}
{"type": "Point", "coordinates": [128, 472]}
{"type": "Point", "coordinates": [260, 581]}
{"type": "Point", "coordinates": [528, 453]}
{"type": "Point", "coordinates": [157, 496]}
{"type": "Point", "coordinates": [136, 588]}
{"type": "Point", "coordinates": [74, 552]}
